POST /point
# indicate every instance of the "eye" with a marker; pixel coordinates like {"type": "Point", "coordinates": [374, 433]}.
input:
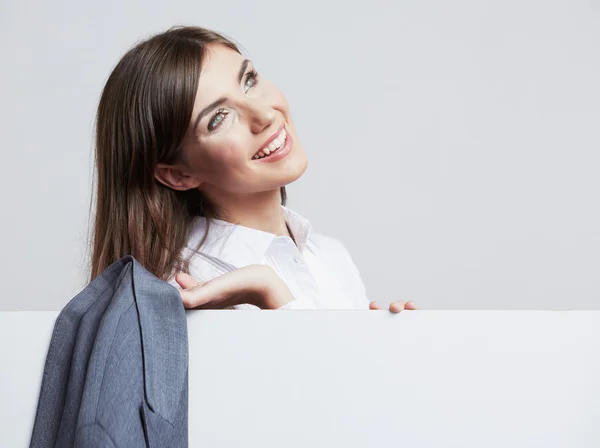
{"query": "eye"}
{"type": "Point", "coordinates": [217, 118]}
{"type": "Point", "coordinates": [251, 80]}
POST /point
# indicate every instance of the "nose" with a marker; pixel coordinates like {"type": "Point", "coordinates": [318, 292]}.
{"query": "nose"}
{"type": "Point", "coordinates": [260, 115]}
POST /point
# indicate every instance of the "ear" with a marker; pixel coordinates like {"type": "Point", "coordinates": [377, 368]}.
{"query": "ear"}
{"type": "Point", "coordinates": [176, 177]}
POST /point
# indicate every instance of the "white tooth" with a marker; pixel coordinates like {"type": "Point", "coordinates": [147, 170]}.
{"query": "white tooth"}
{"type": "Point", "coordinates": [272, 147]}
{"type": "Point", "coordinates": [267, 151]}
{"type": "Point", "coordinates": [277, 142]}
{"type": "Point", "coordinates": [261, 154]}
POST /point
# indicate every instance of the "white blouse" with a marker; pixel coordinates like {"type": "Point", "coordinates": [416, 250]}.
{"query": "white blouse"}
{"type": "Point", "coordinates": [318, 271]}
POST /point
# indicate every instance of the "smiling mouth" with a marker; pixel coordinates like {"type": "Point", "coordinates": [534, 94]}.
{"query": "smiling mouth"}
{"type": "Point", "coordinates": [273, 147]}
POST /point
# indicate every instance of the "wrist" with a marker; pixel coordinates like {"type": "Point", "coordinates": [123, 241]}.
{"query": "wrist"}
{"type": "Point", "coordinates": [260, 286]}
{"type": "Point", "coordinates": [268, 290]}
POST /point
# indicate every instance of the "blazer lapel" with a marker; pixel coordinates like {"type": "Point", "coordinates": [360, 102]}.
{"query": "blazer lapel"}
{"type": "Point", "coordinates": [163, 329]}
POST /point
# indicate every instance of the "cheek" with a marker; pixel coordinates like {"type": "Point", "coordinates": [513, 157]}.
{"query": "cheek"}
{"type": "Point", "coordinates": [224, 157]}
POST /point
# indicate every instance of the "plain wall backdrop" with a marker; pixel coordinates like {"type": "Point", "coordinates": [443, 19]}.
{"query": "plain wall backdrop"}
{"type": "Point", "coordinates": [453, 146]}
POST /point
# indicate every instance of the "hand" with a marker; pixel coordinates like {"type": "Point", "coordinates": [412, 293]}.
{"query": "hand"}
{"type": "Point", "coordinates": [257, 285]}
{"type": "Point", "coordinates": [397, 306]}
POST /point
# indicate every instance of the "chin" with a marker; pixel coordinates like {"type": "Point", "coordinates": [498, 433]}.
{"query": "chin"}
{"type": "Point", "coordinates": [292, 173]}
{"type": "Point", "coordinates": [300, 165]}
{"type": "Point", "coordinates": [304, 166]}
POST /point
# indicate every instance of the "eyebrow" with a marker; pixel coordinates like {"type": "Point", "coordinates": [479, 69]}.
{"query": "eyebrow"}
{"type": "Point", "coordinates": [221, 100]}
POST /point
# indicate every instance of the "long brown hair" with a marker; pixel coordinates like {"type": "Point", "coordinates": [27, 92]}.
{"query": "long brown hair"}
{"type": "Point", "coordinates": [143, 115]}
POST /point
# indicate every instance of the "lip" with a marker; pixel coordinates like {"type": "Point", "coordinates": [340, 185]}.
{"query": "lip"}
{"type": "Point", "coordinates": [280, 153]}
{"type": "Point", "coordinates": [271, 139]}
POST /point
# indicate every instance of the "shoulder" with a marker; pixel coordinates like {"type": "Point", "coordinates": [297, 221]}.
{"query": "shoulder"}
{"type": "Point", "coordinates": [201, 266]}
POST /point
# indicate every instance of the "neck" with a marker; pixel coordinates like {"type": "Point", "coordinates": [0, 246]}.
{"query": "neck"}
{"type": "Point", "coordinates": [261, 211]}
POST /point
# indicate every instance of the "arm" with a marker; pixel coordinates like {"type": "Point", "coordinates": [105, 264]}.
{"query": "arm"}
{"type": "Point", "coordinates": [257, 285]}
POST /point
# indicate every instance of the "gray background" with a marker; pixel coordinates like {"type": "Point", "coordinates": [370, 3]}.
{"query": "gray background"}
{"type": "Point", "coordinates": [453, 146]}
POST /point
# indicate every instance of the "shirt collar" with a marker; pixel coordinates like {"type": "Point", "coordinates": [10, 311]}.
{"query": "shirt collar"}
{"type": "Point", "coordinates": [239, 245]}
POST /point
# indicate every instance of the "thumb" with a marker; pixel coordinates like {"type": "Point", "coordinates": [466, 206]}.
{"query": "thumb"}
{"type": "Point", "coordinates": [186, 281]}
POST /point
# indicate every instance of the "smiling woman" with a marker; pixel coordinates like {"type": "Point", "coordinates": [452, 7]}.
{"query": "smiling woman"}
{"type": "Point", "coordinates": [193, 151]}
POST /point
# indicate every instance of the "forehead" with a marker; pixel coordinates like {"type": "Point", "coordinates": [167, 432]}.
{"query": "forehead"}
{"type": "Point", "coordinates": [220, 68]}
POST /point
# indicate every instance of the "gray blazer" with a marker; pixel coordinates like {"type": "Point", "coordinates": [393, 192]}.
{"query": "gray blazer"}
{"type": "Point", "coordinates": [116, 372]}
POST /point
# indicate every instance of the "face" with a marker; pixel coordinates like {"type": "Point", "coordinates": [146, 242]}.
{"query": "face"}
{"type": "Point", "coordinates": [241, 139]}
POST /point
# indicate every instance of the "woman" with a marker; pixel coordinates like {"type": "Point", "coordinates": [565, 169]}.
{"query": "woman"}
{"type": "Point", "coordinates": [193, 152]}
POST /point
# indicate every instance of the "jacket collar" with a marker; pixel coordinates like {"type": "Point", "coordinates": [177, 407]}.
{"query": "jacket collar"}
{"type": "Point", "coordinates": [238, 245]}
{"type": "Point", "coordinates": [163, 327]}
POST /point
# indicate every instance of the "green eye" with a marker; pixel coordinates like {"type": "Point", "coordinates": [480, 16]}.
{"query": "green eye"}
{"type": "Point", "coordinates": [251, 80]}
{"type": "Point", "coordinates": [217, 119]}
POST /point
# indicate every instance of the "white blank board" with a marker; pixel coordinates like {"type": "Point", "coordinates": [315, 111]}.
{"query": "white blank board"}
{"type": "Point", "coordinates": [361, 378]}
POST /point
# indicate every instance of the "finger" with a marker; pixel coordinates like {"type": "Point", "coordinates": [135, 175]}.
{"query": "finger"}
{"type": "Point", "coordinates": [186, 281]}
{"type": "Point", "coordinates": [374, 306]}
{"type": "Point", "coordinates": [205, 295]}
{"type": "Point", "coordinates": [397, 306]}
{"type": "Point", "coordinates": [192, 298]}
{"type": "Point", "coordinates": [410, 305]}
